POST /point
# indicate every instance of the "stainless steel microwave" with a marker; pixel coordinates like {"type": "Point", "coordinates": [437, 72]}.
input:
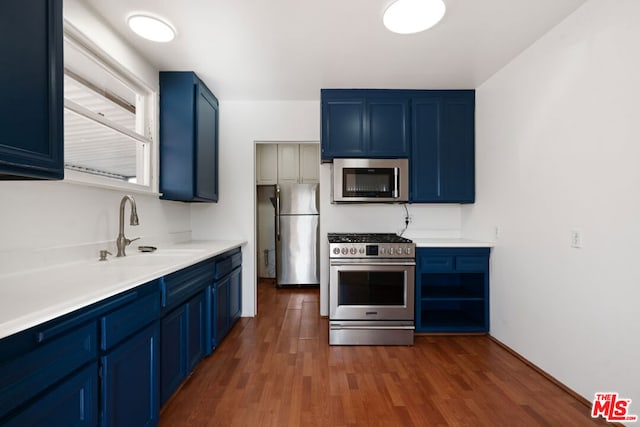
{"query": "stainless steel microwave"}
{"type": "Point", "coordinates": [370, 180]}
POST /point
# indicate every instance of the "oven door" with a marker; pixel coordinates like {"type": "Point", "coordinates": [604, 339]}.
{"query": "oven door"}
{"type": "Point", "coordinates": [371, 289]}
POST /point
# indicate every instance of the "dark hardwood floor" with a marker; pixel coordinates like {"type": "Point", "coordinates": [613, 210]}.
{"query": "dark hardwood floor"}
{"type": "Point", "coordinates": [277, 369]}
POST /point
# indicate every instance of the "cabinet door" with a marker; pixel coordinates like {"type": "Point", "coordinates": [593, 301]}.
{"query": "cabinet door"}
{"type": "Point", "coordinates": [388, 127]}
{"type": "Point", "coordinates": [195, 346]}
{"type": "Point", "coordinates": [206, 185]}
{"type": "Point", "coordinates": [343, 130]}
{"type": "Point", "coordinates": [221, 310]}
{"type": "Point", "coordinates": [309, 164]}
{"type": "Point", "coordinates": [457, 153]}
{"type": "Point", "coordinates": [442, 154]}
{"type": "Point", "coordinates": [130, 381]}
{"type": "Point", "coordinates": [235, 296]}
{"type": "Point", "coordinates": [31, 105]}
{"type": "Point", "coordinates": [173, 366]}
{"type": "Point", "coordinates": [188, 138]}
{"type": "Point", "coordinates": [288, 163]}
{"type": "Point", "coordinates": [266, 164]}
{"type": "Point", "coordinates": [74, 402]}
{"type": "Point", "coordinates": [425, 164]}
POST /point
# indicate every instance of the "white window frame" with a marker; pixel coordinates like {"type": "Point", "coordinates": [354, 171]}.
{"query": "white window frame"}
{"type": "Point", "coordinates": [147, 161]}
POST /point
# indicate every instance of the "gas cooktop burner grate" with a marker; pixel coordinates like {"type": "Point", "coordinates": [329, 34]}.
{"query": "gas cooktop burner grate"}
{"type": "Point", "coordinates": [366, 238]}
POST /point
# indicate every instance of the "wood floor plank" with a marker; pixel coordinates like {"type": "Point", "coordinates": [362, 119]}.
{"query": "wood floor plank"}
{"type": "Point", "coordinates": [277, 369]}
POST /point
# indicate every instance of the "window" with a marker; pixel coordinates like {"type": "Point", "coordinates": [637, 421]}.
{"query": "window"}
{"type": "Point", "coordinates": [108, 136]}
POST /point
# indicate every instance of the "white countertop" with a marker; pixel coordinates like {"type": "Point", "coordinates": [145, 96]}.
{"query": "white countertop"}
{"type": "Point", "coordinates": [35, 296]}
{"type": "Point", "coordinates": [451, 243]}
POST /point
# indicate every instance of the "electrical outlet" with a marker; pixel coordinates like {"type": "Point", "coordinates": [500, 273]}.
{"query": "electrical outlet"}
{"type": "Point", "coordinates": [576, 238]}
{"type": "Point", "coordinates": [496, 233]}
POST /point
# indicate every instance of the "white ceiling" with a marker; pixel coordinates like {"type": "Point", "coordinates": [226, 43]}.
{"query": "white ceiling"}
{"type": "Point", "coordinates": [289, 49]}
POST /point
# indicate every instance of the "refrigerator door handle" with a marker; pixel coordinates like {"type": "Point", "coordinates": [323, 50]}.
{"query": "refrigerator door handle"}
{"type": "Point", "coordinates": [277, 213]}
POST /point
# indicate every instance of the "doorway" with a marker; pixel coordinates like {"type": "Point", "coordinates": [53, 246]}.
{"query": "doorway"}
{"type": "Point", "coordinates": [282, 166]}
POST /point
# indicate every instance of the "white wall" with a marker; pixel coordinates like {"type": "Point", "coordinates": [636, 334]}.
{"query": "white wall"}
{"type": "Point", "coordinates": [557, 146]}
{"type": "Point", "coordinates": [233, 217]}
{"type": "Point", "coordinates": [49, 216]}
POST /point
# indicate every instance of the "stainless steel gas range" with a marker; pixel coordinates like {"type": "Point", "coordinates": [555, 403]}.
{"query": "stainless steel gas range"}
{"type": "Point", "coordinates": [371, 289]}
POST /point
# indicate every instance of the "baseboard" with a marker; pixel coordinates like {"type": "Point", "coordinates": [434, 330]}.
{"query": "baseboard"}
{"type": "Point", "coordinates": [548, 376]}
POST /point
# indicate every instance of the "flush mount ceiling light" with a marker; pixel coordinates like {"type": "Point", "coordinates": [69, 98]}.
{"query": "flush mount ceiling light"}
{"type": "Point", "coordinates": [413, 16]}
{"type": "Point", "coordinates": [151, 28]}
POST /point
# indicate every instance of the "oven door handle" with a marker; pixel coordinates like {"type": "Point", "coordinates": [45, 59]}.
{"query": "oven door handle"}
{"type": "Point", "coordinates": [367, 263]}
{"type": "Point", "coordinates": [377, 327]}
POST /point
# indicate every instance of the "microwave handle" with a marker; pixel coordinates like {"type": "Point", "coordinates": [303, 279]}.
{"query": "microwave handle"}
{"type": "Point", "coordinates": [396, 190]}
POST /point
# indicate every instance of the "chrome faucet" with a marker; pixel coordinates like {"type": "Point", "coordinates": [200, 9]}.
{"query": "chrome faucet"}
{"type": "Point", "coordinates": [122, 242]}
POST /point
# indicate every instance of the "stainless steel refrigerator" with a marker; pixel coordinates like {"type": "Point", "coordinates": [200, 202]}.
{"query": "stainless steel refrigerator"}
{"type": "Point", "coordinates": [297, 230]}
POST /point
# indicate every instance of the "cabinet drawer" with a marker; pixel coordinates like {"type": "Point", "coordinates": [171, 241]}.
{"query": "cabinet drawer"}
{"type": "Point", "coordinates": [437, 263]}
{"type": "Point", "coordinates": [121, 323]}
{"type": "Point", "coordinates": [182, 285]}
{"type": "Point", "coordinates": [30, 374]}
{"type": "Point", "coordinates": [471, 263]}
{"type": "Point", "coordinates": [227, 263]}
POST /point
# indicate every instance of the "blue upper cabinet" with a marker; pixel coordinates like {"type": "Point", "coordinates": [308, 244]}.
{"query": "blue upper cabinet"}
{"type": "Point", "coordinates": [364, 123]}
{"type": "Point", "coordinates": [343, 127]}
{"type": "Point", "coordinates": [443, 154]}
{"type": "Point", "coordinates": [31, 76]}
{"type": "Point", "coordinates": [188, 138]}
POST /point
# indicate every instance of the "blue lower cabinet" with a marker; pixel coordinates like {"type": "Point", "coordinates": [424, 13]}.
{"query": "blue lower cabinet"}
{"type": "Point", "coordinates": [235, 296]}
{"type": "Point", "coordinates": [182, 344]}
{"type": "Point", "coordinates": [196, 324]}
{"type": "Point", "coordinates": [452, 290]}
{"type": "Point", "coordinates": [221, 312]}
{"type": "Point", "coordinates": [74, 402]}
{"type": "Point", "coordinates": [130, 392]}
{"type": "Point", "coordinates": [37, 369]}
{"type": "Point", "coordinates": [173, 332]}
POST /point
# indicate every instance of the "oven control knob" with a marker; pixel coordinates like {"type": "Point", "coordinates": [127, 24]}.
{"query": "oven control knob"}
{"type": "Point", "coordinates": [390, 251]}
{"type": "Point", "coordinates": [383, 251]}
{"type": "Point", "coordinates": [345, 251]}
{"type": "Point", "coordinates": [361, 250]}
{"type": "Point", "coordinates": [336, 251]}
{"type": "Point", "coordinates": [399, 250]}
{"type": "Point", "coordinates": [407, 251]}
{"type": "Point", "coordinates": [353, 251]}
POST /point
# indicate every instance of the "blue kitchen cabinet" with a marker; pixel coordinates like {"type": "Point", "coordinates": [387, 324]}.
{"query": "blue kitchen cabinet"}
{"type": "Point", "coordinates": [235, 296]}
{"type": "Point", "coordinates": [188, 138]}
{"type": "Point", "coordinates": [196, 325]}
{"type": "Point", "coordinates": [173, 336]}
{"type": "Point", "coordinates": [38, 360]}
{"type": "Point", "coordinates": [31, 76]}
{"type": "Point", "coordinates": [130, 361]}
{"type": "Point", "coordinates": [224, 302]}
{"type": "Point", "coordinates": [221, 304]}
{"type": "Point", "coordinates": [182, 344]}
{"type": "Point", "coordinates": [452, 290]}
{"type": "Point", "coordinates": [183, 325]}
{"type": "Point", "coordinates": [367, 123]}
{"type": "Point", "coordinates": [343, 125]}
{"type": "Point", "coordinates": [82, 367]}
{"type": "Point", "coordinates": [74, 402]}
{"type": "Point", "coordinates": [443, 153]}
{"type": "Point", "coordinates": [130, 393]}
